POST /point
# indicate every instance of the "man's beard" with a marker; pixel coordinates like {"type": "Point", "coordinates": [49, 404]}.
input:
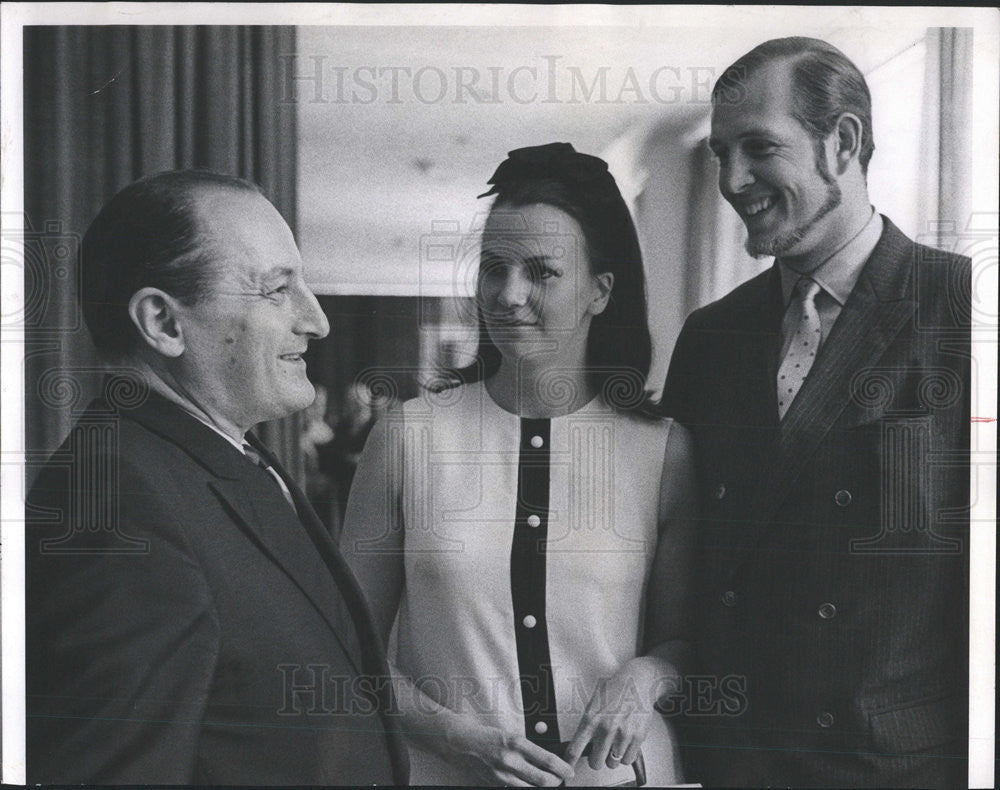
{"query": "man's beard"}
{"type": "Point", "coordinates": [780, 243]}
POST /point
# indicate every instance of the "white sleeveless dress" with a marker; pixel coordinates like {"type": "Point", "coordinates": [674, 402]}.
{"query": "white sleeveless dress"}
{"type": "Point", "coordinates": [486, 603]}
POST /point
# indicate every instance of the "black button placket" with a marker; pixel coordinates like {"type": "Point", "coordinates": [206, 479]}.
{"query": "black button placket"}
{"type": "Point", "coordinates": [527, 582]}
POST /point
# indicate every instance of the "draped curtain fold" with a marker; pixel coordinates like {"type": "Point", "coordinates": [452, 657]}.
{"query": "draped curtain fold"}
{"type": "Point", "coordinates": [948, 122]}
{"type": "Point", "coordinates": [105, 106]}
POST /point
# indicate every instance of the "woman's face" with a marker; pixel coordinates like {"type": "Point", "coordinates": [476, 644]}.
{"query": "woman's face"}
{"type": "Point", "coordinates": [536, 290]}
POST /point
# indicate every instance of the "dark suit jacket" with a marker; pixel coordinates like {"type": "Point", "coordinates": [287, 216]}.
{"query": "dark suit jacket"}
{"type": "Point", "coordinates": [184, 626]}
{"type": "Point", "coordinates": [834, 547]}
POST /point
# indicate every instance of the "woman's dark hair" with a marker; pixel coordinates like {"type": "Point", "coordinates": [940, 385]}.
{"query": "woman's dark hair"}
{"type": "Point", "coordinates": [619, 347]}
{"type": "Point", "coordinates": [825, 84]}
{"type": "Point", "coordinates": [147, 235]}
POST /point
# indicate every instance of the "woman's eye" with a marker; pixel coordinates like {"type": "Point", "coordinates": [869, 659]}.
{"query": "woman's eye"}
{"type": "Point", "coordinates": [538, 270]}
{"type": "Point", "coordinates": [490, 271]}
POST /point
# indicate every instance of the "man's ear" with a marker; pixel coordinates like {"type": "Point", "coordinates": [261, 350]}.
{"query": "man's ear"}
{"type": "Point", "coordinates": [154, 314]}
{"type": "Point", "coordinates": [605, 281]}
{"type": "Point", "coordinates": [848, 136]}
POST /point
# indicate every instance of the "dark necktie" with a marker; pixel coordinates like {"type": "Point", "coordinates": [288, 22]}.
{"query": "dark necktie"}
{"type": "Point", "coordinates": [256, 458]}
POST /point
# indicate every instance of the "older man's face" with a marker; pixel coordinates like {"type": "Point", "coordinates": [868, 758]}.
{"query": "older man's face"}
{"type": "Point", "coordinates": [769, 170]}
{"type": "Point", "coordinates": [244, 343]}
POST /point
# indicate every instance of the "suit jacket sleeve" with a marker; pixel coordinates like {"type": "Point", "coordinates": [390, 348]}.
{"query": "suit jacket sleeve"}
{"type": "Point", "coordinates": [678, 387]}
{"type": "Point", "coordinates": [135, 710]}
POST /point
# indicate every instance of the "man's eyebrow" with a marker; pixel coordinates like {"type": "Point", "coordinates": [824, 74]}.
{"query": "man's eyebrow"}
{"type": "Point", "coordinates": [756, 131]}
{"type": "Point", "coordinates": [770, 134]}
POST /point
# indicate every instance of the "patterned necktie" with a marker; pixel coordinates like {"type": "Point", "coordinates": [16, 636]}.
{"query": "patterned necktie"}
{"type": "Point", "coordinates": [256, 457]}
{"type": "Point", "coordinates": [801, 353]}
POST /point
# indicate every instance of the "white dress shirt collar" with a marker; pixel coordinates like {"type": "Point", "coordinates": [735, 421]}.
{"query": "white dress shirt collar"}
{"type": "Point", "coordinates": [237, 444]}
{"type": "Point", "coordinates": [839, 273]}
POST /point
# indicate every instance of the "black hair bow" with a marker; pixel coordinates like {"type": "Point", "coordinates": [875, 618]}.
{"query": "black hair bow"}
{"type": "Point", "coordinates": [558, 161]}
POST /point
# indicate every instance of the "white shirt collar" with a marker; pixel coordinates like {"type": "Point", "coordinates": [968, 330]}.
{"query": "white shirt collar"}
{"type": "Point", "coordinates": [165, 391]}
{"type": "Point", "coordinates": [839, 273]}
{"type": "Point", "coordinates": [237, 444]}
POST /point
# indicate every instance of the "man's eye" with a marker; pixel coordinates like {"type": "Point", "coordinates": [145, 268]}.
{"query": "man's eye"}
{"type": "Point", "coordinates": [278, 292]}
{"type": "Point", "coordinates": [760, 148]}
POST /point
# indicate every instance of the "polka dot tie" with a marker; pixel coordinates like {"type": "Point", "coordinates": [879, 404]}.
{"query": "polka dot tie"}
{"type": "Point", "coordinates": [803, 347]}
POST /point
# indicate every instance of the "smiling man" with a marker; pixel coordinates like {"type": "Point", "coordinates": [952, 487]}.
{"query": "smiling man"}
{"type": "Point", "coordinates": [829, 401]}
{"type": "Point", "coordinates": [189, 620]}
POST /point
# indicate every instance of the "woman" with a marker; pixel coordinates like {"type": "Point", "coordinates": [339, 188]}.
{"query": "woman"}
{"type": "Point", "coordinates": [513, 528]}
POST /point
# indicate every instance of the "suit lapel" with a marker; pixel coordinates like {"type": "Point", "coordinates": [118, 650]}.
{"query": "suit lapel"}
{"type": "Point", "coordinates": [302, 505]}
{"type": "Point", "coordinates": [308, 556]}
{"type": "Point", "coordinates": [878, 308]}
{"type": "Point", "coordinates": [351, 606]}
{"type": "Point", "coordinates": [259, 509]}
{"type": "Point", "coordinates": [291, 543]}
{"type": "Point", "coordinates": [757, 356]}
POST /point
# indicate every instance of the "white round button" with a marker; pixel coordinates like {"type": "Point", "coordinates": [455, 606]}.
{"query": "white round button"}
{"type": "Point", "coordinates": [529, 621]}
{"type": "Point", "coordinates": [534, 521]}
{"type": "Point", "coordinates": [537, 441]}
{"type": "Point", "coordinates": [541, 727]}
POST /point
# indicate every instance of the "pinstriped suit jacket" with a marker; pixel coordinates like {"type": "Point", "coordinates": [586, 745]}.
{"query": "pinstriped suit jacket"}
{"type": "Point", "coordinates": [834, 546]}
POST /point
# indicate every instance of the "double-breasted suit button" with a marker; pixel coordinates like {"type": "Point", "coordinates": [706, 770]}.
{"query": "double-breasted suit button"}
{"type": "Point", "coordinates": [541, 727]}
{"type": "Point", "coordinates": [825, 719]}
{"type": "Point", "coordinates": [533, 520]}
{"type": "Point", "coordinates": [529, 621]}
{"type": "Point", "coordinates": [843, 498]}
{"type": "Point", "coordinates": [827, 611]}
{"type": "Point", "coordinates": [730, 598]}
{"type": "Point", "coordinates": [720, 491]}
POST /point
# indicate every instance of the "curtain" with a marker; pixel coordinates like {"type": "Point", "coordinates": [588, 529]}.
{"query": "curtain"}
{"type": "Point", "coordinates": [947, 154]}
{"type": "Point", "coordinates": [103, 107]}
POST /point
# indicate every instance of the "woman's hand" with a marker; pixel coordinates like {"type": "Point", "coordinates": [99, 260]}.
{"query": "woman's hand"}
{"type": "Point", "coordinates": [618, 716]}
{"type": "Point", "coordinates": [495, 757]}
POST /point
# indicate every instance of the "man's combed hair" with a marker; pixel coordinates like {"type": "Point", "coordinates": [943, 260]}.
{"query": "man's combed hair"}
{"type": "Point", "coordinates": [825, 84]}
{"type": "Point", "coordinates": [148, 235]}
